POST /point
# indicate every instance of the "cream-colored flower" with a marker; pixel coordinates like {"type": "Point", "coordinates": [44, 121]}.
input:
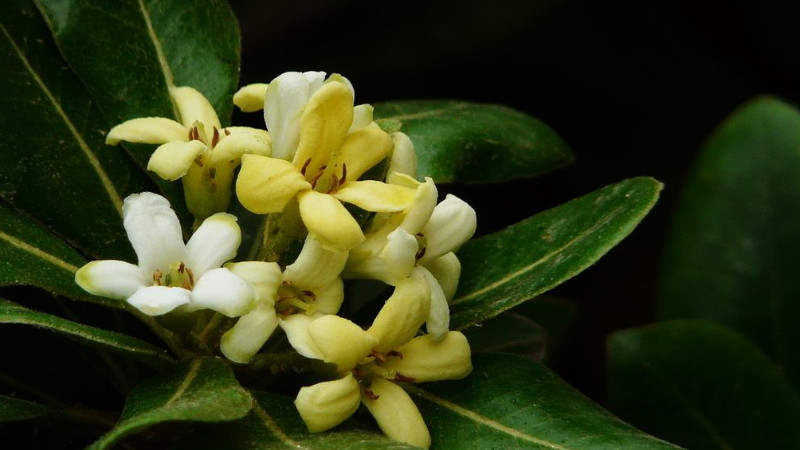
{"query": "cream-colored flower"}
{"type": "Point", "coordinates": [371, 361]}
{"type": "Point", "coordinates": [170, 273]}
{"type": "Point", "coordinates": [196, 149]}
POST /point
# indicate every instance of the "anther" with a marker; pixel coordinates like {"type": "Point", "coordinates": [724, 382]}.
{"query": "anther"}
{"type": "Point", "coordinates": [344, 174]}
{"type": "Point", "coordinates": [212, 172]}
{"type": "Point", "coordinates": [157, 277]}
{"type": "Point", "coordinates": [215, 138]}
{"type": "Point", "coordinates": [334, 184]}
{"type": "Point", "coordinates": [379, 356]}
{"type": "Point", "coordinates": [402, 378]}
{"type": "Point", "coordinates": [420, 253]}
{"type": "Point", "coordinates": [371, 395]}
{"type": "Point", "coordinates": [191, 276]}
{"type": "Point", "coordinates": [181, 267]}
{"type": "Point", "coordinates": [395, 353]}
{"type": "Point", "coordinates": [305, 166]}
{"type": "Point", "coordinates": [310, 294]}
{"type": "Point", "coordinates": [198, 161]}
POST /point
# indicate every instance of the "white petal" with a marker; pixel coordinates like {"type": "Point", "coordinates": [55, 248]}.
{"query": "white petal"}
{"type": "Point", "coordinates": [224, 292]}
{"type": "Point", "coordinates": [421, 209]}
{"type": "Point", "coordinates": [393, 263]}
{"type": "Point", "coordinates": [327, 404]}
{"type": "Point", "coordinates": [438, 323]}
{"type": "Point", "coordinates": [215, 242]}
{"type": "Point", "coordinates": [284, 102]}
{"type": "Point", "coordinates": [113, 279]}
{"type": "Point", "coordinates": [158, 300]}
{"type": "Point", "coordinates": [194, 107]}
{"type": "Point", "coordinates": [447, 270]}
{"type": "Point", "coordinates": [452, 223]}
{"type": "Point", "coordinates": [329, 298]}
{"type": "Point", "coordinates": [251, 331]}
{"type": "Point", "coordinates": [154, 231]}
{"type": "Point", "coordinates": [404, 157]}
{"type": "Point", "coordinates": [296, 329]}
{"type": "Point", "coordinates": [263, 277]}
{"type": "Point", "coordinates": [315, 266]}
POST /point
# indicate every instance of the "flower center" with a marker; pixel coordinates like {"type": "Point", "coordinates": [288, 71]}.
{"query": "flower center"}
{"type": "Point", "coordinates": [292, 300]}
{"type": "Point", "coordinates": [324, 180]}
{"type": "Point", "coordinates": [178, 275]}
{"type": "Point", "coordinates": [198, 133]}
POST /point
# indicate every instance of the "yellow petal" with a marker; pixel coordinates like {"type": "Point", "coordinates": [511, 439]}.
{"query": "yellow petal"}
{"type": "Point", "coordinates": [396, 414]}
{"type": "Point", "coordinates": [362, 150]}
{"type": "Point", "coordinates": [404, 158]}
{"type": "Point", "coordinates": [315, 266]}
{"type": "Point", "coordinates": [362, 116]}
{"type": "Point", "coordinates": [325, 405]}
{"type": "Point", "coordinates": [447, 270]}
{"type": "Point", "coordinates": [340, 341]}
{"type": "Point", "coordinates": [250, 98]}
{"type": "Point", "coordinates": [402, 314]}
{"type": "Point", "coordinates": [194, 107]}
{"type": "Point", "coordinates": [265, 185]}
{"type": "Point", "coordinates": [421, 207]}
{"type": "Point", "coordinates": [148, 130]}
{"type": "Point", "coordinates": [328, 220]}
{"type": "Point", "coordinates": [245, 339]}
{"type": "Point", "coordinates": [425, 359]}
{"type": "Point", "coordinates": [376, 196]}
{"type": "Point", "coordinates": [323, 126]}
{"type": "Point", "coordinates": [231, 148]}
{"type": "Point", "coordinates": [173, 159]}
{"type": "Point", "coordinates": [263, 277]}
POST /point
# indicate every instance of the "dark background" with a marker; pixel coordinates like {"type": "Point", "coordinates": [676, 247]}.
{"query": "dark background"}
{"type": "Point", "coordinates": [633, 87]}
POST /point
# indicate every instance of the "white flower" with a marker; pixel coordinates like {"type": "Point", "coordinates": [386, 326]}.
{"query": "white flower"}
{"type": "Point", "coordinates": [170, 273]}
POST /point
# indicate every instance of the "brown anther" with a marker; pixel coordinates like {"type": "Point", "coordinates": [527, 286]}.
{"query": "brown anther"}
{"type": "Point", "coordinates": [215, 138]}
{"type": "Point", "coordinates": [316, 178]}
{"type": "Point", "coordinates": [281, 298]}
{"type": "Point", "coordinates": [334, 185]}
{"type": "Point", "coordinates": [289, 311]}
{"type": "Point", "coordinates": [358, 373]}
{"type": "Point", "coordinates": [344, 174]}
{"type": "Point", "coordinates": [198, 161]}
{"type": "Point", "coordinates": [371, 395]}
{"type": "Point", "coordinates": [305, 166]}
{"type": "Point", "coordinates": [286, 282]}
{"type": "Point", "coordinates": [212, 172]}
{"type": "Point", "coordinates": [157, 277]}
{"type": "Point", "coordinates": [181, 267]}
{"type": "Point", "coordinates": [191, 134]}
{"type": "Point", "coordinates": [420, 234]}
{"type": "Point", "coordinates": [379, 356]}
{"type": "Point", "coordinates": [186, 285]}
{"type": "Point", "coordinates": [227, 132]}
{"type": "Point", "coordinates": [420, 253]}
{"type": "Point", "coordinates": [402, 378]}
{"type": "Point", "coordinates": [191, 276]}
{"type": "Point", "coordinates": [311, 294]}
{"type": "Point", "coordinates": [395, 353]}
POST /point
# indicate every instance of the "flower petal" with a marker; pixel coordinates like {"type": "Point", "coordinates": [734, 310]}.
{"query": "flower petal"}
{"type": "Point", "coordinates": [376, 196]}
{"type": "Point", "coordinates": [194, 107]}
{"type": "Point", "coordinates": [323, 126]}
{"type": "Point", "coordinates": [148, 130]}
{"type": "Point", "coordinates": [263, 277]}
{"type": "Point", "coordinates": [452, 223]}
{"type": "Point", "coordinates": [327, 404]}
{"type": "Point", "coordinates": [394, 262]}
{"type": "Point", "coordinates": [245, 339]}
{"type": "Point", "coordinates": [265, 185]}
{"type": "Point", "coordinates": [158, 300]}
{"type": "Point", "coordinates": [340, 341]}
{"type": "Point", "coordinates": [231, 148]}
{"type": "Point", "coordinates": [154, 231]}
{"type": "Point", "coordinates": [296, 328]}
{"type": "Point", "coordinates": [215, 242]}
{"type": "Point", "coordinates": [404, 158]}
{"type": "Point", "coordinates": [173, 159]}
{"type": "Point", "coordinates": [362, 150]}
{"type": "Point", "coordinates": [284, 101]}
{"type": "Point", "coordinates": [315, 266]}
{"type": "Point", "coordinates": [402, 314]}
{"type": "Point", "coordinates": [426, 359]}
{"type": "Point", "coordinates": [329, 221]}
{"type": "Point", "coordinates": [329, 298]}
{"type": "Point", "coordinates": [222, 291]}
{"type": "Point", "coordinates": [396, 414]}
{"type": "Point", "coordinates": [423, 205]}
{"type": "Point", "coordinates": [250, 98]}
{"type": "Point", "coordinates": [447, 270]}
{"type": "Point", "coordinates": [112, 279]}
{"type": "Point", "coordinates": [362, 117]}
{"type": "Point", "coordinates": [438, 322]}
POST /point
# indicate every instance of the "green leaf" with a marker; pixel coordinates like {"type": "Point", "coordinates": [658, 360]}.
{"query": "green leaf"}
{"type": "Point", "coordinates": [275, 423]}
{"type": "Point", "coordinates": [702, 385]}
{"type": "Point", "coordinates": [106, 340]}
{"type": "Point", "coordinates": [203, 390]}
{"type": "Point", "coordinates": [502, 270]}
{"type": "Point", "coordinates": [13, 409]}
{"type": "Point", "coordinates": [475, 143]}
{"type": "Point", "coordinates": [512, 402]}
{"type": "Point", "coordinates": [731, 256]}
{"type": "Point", "coordinates": [56, 166]}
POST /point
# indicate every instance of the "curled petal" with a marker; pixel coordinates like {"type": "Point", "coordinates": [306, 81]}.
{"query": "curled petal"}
{"type": "Point", "coordinates": [329, 298]}
{"type": "Point", "coordinates": [447, 270]}
{"type": "Point", "coordinates": [402, 314]}
{"type": "Point", "coordinates": [296, 328]}
{"type": "Point", "coordinates": [329, 221]}
{"type": "Point", "coordinates": [438, 323]}
{"type": "Point", "coordinates": [284, 102]}
{"type": "Point", "coordinates": [363, 149]}
{"type": "Point", "coordinates": [173, 159]}
{"type": "Point", "coordinates": [158, 300]}
{"type": "Point", "coordinates": [316, 266]}
{"type": "Point", "coordinates": [325, 405]}
{"type": "Point", "coordinates": [222, 291]}
{"type": "Point", "coordinates": [245, 339]}
{"type": "Point", "coordinates": [194, 107]}
{"type": "Point", "coordinates": [250, 98]}
{"type": "Point", "coordinates": [263, 277]}
{"type": "Point", "coordinates": [392, 263]}
{"type": "Point", "coordinates": [154, 231]}
{"type": "Point", "coordinates": [265, 185]}
{"type": "Point", "coordinates": [231, 148]}
{"type": "Point", "coordinates": [376, 196]}
{"type": "Point", "coordinates": [340, 341]}
{"type": "Point", "coordinates": [362, 117]}
{"type": "Point", "coordinates": [215, 242]}
{"type": "Point", "coordinates": [452, 223]}
{"type": "Point", "coordinates": [404, 158]}
{"type": "Point", "coordinates": [426, 359]}
{"type": "Point", "coordinates": [112, 279]}
{"type": "Point", "coordinates": [423, 205]}
{"type": "Point", "coordinates": [396, 414]}
{"type": "Point", "coordinates": [148, 130]}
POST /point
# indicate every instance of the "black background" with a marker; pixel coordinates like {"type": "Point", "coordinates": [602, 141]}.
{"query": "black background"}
{"type": "Point", "coordinates": [633, 87]}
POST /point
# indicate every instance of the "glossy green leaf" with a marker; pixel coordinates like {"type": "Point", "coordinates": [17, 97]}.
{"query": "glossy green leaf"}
{"type": "Point", "coordinates": [275, 423]}
{"type": "Point", "coordinates": [502, 270]}
{"type": "Point", "coordinates": [702, 385]}
{"type": "Point", "coordinates": [56, 166]}
{"type": "Point", "coordinates": [203, 390]}
{"type": "Point", "coordinates": [731, 256]}
{"type": "Point", "coordinates": [13, 409]}
{"type": "Point", "coordinates": [475, 143]}
{"type": "Point", "coordinates": [11, 313]}
{"type": "Point", "coordinates": [512, 402]}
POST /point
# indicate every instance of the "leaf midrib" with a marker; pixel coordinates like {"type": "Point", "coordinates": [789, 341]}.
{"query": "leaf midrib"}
{"type": "Point", "coordinates": [166, 70]}
{"type": "Point", "coordinates": [24, 246]}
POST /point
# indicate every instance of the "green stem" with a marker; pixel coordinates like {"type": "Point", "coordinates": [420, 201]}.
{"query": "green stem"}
{"type": "Point", "coordinates": [210, 327]}
{"type": "Point", "coordinates": [167, 336]}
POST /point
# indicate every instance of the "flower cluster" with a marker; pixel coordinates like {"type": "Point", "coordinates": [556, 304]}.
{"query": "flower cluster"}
{"type": "Point", "coordinates": [340, 190]}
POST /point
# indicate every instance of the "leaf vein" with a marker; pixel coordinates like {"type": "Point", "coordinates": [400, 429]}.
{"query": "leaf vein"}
{"type": "Point", "coordinates": [38, 253]}
{"type": "Point", "coordinates": [187, 381]}
{"type": "Point", "coordinates": [272, 426]}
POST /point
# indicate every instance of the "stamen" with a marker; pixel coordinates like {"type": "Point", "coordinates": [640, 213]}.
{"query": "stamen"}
{"type": "Point", "coordinates": [227, 132]}
{"type": "Point", "coordinates": [402, 378]}
{"type": "Point", "coordinates": [344, 174]}
{"type": "Point", "coordinates": [215, 139]}
{"type": "Point", "coordinates": [420, 253]}
{"type": "Point", "coordinates": [191, 276]}
{"type": "Point", "coordinates": [286, 282]}
{"type": "Point", "coordinates": [334, 184]}
{"type": "Point", "coordinates": [395, 353]}
{"type": "Point", "coordinates": [212, 172]}
{"type": "Point", "coordinates": [310, 294]}
{"type": "Point", "coordinates": [198, 161]}
{"type": "Point", "coordinates": [182, 267]}
{"type": "Point", "coordinates": [371, 395]}
{"type": "Point", "coordinates": [305, 166]}
{"type": "Point", "coordinates": [157, 277]}
{"type": "Point", "coordinates": [316, 178]}
{"type": "Point", "coordinates": [377, 355]}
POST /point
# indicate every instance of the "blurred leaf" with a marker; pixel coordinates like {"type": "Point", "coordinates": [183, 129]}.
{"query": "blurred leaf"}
{"type": "Point", "coordinates": [106, 340]}
{"type": "Point", "coordinates": [731, 256]}
{"type": "Point", "coordinates": [512, 402]}
{"type": "Point", "coordinates": [502, 270]}
{"type": "Point", "coordinates": [475, 143]}
{"type": "Point", "coordinates": [202, 390]}
{"type": "Point", "coordinates": [14, 409]}
{"type": "Point", "coordinates": [53, 153]}
{"type": "Point", "coordinates": [702, 385]}
{"type": "Point", "coordinates": [275, 423]}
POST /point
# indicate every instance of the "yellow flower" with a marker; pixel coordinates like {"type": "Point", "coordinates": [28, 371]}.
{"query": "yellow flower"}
{"type": "Point", "coordinates": [196, 149]}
